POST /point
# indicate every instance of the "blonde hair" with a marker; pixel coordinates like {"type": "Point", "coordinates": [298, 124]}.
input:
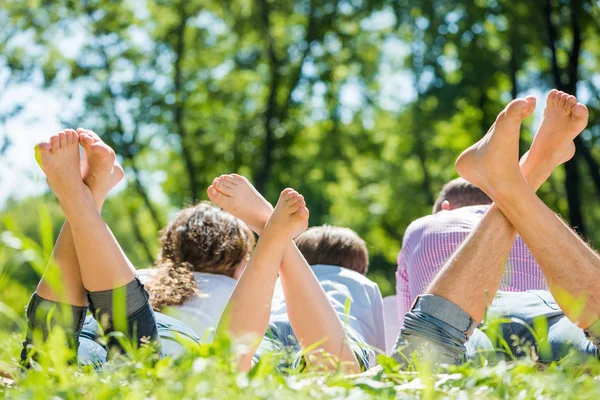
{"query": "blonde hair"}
{"type": "Point", "coordinates": [202, 238]}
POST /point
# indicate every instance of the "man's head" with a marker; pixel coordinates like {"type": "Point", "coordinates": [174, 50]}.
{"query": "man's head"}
{"type": "Point", "coordinates": [332, 245]}
{"type": "Point", "coordinates": [459, 193]}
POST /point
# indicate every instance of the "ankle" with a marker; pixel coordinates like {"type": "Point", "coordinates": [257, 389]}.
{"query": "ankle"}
{"type": "Point", "coordinates": [508, 190]}
{"type": "Point", "coordinates": [536, 172]}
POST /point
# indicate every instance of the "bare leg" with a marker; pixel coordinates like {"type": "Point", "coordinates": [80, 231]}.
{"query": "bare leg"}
{"type": "Point", "coordinates": [100, 177]}
{"type": "Point", "coordinates": [102, 263]}
{"type": "Point", "coordinates": [249, 307]}
{"type": "Point", "coordinates": [311, 315]}
{"type": "Point", "coordinates": [472, 276]}
{"type": "Point", "coordinates": [568, 263]}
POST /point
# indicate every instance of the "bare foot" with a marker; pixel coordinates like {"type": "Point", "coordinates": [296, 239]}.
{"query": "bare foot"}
{"type": "Point", "coordinates": [290, 217]}
{"type": "Point", "coordinates": [564, 119]}
{"type": "Point", "coordinates": [99, 169]}
{"type": "Point", "coordinates": [236, 195]}
{"type": "Point", "coordinates": [59, 159]}
{"type": "Point", "coordinates": [495, 158]}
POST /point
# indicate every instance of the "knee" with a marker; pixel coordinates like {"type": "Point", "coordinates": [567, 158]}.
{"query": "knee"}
{"type": "Point", "coordinates": [435, 328]}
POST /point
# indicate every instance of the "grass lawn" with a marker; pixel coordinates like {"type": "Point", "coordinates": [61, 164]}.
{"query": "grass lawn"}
{"type": "Point", "coordinates": [208, 373]}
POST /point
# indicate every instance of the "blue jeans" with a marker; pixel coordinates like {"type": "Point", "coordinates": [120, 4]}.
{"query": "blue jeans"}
{"type": "Point", "coordinates": [138, 324]}
{"type": "Point", "coordinates": [281, 338]}
{"type": "Point", "coordinates": [439, 330]}
{"type": "Point", "coordinates": [173, 336]}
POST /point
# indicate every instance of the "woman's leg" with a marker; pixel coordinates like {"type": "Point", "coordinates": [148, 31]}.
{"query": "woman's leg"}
{"type": "Point", "coordinates": [60, 293]}
{"type": "Point", "coordinates": [105, 270]}
{"type": "Point", "coordinates": [100, 174]}
{"type": "Point", "coordinates": [311, 315]}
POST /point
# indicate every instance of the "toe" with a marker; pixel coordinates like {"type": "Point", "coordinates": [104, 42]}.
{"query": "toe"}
{"type": "Point", "coordinates": [291, 197]}
{"type": "Point", "coordinates": [237, 178]}
{"type": "Point", "coordinates": [93, 135]}
{"type": "Point", "coordinates": [214, 195]}
{"type": "Point", "coordinates": [224, 187]}
{"type": "Point", "coordinates": [40, 150]}
{"type": "Point", "coordinates": [580, 111]}
{"type": "Point", "coordinates": [229, 179]}
{"type": "Point", "coordinates": [531, 102]}
{"type": "Point", "coordinates": [556, 99]}
{"type": "Point", "coordinates": [72, 137]}
{"type": "Point", "coordinates": [286, 192]}
{"type": "Point", "coordinates": [54, 142]}
{"type": "Point", "coordinates": [517, 109]}
{"type": "Point", "coordinates": [303, 213]}
{"type": "Point", "coordinates": [562, 100]}
{"type": "Point", "coordinates": [222, 182]}
{"type": "Point", "coordinates": [86, 141]}
{"type": "Point", "coordinates": [43, 147]}
{"type": "Point", "coordinates": [570, 102]}
{"type": "Point", "coordinates": [62, 139]}
{"type": "Point", "coordinates": [552, 96]}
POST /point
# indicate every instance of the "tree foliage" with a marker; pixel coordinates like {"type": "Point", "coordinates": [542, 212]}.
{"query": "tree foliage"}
{"type": "Point", "coordinates": [361, 105]}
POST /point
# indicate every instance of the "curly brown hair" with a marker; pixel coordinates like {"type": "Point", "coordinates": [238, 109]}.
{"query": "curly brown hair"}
{"type": "Point", "coordinates": [202, 238]}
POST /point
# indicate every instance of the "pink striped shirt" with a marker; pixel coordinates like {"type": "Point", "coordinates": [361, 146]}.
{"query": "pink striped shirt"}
{"type": "Point", "coordinates": [430, 241]}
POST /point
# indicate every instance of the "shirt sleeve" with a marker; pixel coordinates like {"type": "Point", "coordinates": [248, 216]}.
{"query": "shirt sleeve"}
{"type": "Point", "coordinates": [402, 288]}
{"type": "Point", "coordinates": [377, 306]}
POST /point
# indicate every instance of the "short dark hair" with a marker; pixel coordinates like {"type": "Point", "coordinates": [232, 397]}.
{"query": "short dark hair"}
{"type": "Point", "coordinates": [461, 193]}
{"type": "Point", "coordinates": [333, 245]}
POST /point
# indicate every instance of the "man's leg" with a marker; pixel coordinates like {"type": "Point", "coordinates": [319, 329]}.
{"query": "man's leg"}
{"type": "Point", "coordinates": [311, 315]}
{"type": "Point", "coordinates": [457, 299]}
{"type": "Point", "coordinates": [569, 264]}
{"type": "Point", "coordinates": [471, 278]}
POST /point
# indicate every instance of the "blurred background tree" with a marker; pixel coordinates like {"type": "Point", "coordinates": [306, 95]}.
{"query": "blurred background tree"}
{"type": "Point", "coordinates": [361, 105]}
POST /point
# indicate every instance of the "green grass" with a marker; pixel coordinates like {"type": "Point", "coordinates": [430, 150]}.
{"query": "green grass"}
{"type": "Point", "coordinates": [208, 372]}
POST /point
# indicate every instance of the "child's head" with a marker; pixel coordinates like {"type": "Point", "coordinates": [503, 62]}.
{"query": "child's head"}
{"type": "Point", "coordinates": [203, 238]}
{"type": "Point", "coordinates": [332, 245]}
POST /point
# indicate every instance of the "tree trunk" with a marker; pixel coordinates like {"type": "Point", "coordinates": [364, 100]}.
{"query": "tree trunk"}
{"type": "Point", "coordinates": [179, 106]}
{"type": "Point", "coordinates": [139, 187]}
{"type": "Point", "coordinates": [140, 238]}
{"type": "Point", "coordinates": [264, 173]}
{"type": "Point", "coordinates": [572, 184]}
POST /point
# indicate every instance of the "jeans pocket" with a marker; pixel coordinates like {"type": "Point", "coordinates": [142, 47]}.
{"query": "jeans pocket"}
{"type": "Point", "coordinates": [547, 298]}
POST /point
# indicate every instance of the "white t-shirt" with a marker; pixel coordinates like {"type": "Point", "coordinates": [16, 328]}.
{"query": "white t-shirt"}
{"type": "Point", "coordinates": [203, 311]}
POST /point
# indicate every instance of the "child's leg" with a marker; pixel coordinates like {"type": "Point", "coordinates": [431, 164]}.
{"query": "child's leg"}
{"type": "Point", "coordinates": [103, 265]}
{"type": "Point", "coordinates": [249, 308]}
{"type": "Point", "coordinates": [311, 315]}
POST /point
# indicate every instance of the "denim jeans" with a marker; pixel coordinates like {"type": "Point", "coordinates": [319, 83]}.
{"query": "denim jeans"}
{"type": "Point", "coordinates": [538, 308]}
{"type": "Point", "coordinates": [138, 325]}
{"type": "Point", "coordinates": [281, 338]}
{"type": "Point", "coordinates": [173, 336]}
{"type": "Point", "coordinates": [440, 331]}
